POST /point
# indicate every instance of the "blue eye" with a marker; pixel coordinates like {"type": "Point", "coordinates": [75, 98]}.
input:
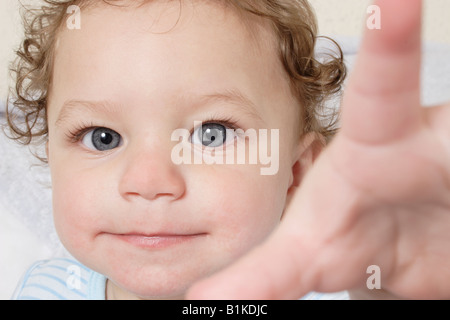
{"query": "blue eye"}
{"type": "Point", "coordinates": [210, 135]}
{"type": "Point", "coordinates": [101, 139]}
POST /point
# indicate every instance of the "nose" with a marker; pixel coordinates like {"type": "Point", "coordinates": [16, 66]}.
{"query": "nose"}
{"type": "Point", "coordinates": [151, 175]}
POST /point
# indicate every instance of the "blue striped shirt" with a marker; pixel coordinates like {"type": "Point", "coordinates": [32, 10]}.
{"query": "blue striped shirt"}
{"type": "Point", "coordinates": [67, 279]}
{"type": "Point", "coordinates": [60, 279]}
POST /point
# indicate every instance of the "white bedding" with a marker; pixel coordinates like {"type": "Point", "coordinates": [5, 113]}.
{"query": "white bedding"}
{"type": "Point", "coordinates": [26, 228]}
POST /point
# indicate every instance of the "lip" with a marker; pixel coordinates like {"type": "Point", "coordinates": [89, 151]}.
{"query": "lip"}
{"type": "Point", "coordinates": [157, 241]}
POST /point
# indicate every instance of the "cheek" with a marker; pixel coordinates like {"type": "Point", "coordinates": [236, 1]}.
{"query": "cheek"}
{"type": "Point", "coordinates": [75, 207]}
{"type": "Point", "coordinates": [242, 206]}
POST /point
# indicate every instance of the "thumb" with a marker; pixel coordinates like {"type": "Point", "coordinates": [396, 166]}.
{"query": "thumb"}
{"type": "Point", "coordinates": [270, 271]}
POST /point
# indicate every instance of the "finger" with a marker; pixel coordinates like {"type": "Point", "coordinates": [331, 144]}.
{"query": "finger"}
{"type": "Point", "coordinates": [382, 100]}
{"type": "Point", "coordinates": [271, 271]}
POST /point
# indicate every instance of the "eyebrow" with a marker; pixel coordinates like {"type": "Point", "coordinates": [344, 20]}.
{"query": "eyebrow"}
{"type": "Point", "coordinates": [71, 106]}
{"type": "Point", "coordinates": [235, 97]}
{"type": "Point", "coordinates": [232, 96]}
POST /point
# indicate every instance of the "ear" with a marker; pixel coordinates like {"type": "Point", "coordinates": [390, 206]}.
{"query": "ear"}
{"type": "Point", "coordinates": [306, 153]}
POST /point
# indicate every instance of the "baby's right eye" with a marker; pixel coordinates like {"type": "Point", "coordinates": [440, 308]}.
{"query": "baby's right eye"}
{"type": "Point", "coordinates": [101, 139]}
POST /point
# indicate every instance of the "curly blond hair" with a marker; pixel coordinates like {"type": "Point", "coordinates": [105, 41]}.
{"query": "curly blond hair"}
{"type": "Point", "coordinates": [293, 21]}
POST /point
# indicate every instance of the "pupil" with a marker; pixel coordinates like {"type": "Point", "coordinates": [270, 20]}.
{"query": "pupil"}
{"type": "Point", "coordinates": [106, 138]}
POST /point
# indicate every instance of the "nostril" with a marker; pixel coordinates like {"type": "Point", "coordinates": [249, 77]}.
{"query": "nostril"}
{"type": "Point", "coordinates": [149, 196]}
{"type": "Point", "coordinates": [149, 176]}
{"type": "Point", "coordinates": [152, 191]}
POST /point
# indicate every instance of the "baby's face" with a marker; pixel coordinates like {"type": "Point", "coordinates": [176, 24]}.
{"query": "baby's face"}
{"type": "Point", "coordinates": [122, 84]}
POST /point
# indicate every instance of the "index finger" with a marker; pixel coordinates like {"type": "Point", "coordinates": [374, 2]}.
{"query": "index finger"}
{"type": "Point", "coordinates": [382, 100]}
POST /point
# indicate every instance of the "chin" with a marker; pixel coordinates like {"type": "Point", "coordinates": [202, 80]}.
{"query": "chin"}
{"type": "Point", "coordinates": [154, 285]}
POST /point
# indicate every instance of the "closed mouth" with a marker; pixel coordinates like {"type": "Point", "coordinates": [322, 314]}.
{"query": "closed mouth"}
{"type": "Point", "coordinates": [157, 241]}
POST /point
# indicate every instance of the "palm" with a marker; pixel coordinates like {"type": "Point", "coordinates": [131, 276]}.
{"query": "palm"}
{"type": "Point", "coordinates": [386, 204]}
{"type": "Point", "coordinates": [378, 195]}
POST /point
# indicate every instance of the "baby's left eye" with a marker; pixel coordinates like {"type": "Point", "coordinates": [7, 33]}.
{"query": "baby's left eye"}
{"type": "Point", "coordinates": [210, 135]}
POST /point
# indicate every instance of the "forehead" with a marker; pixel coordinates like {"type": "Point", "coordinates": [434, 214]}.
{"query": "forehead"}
{"type": "Point", "coordinates": [164, 49]}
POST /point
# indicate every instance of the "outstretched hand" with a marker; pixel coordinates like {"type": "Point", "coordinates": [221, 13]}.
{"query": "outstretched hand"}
{"type": "Point", "coordinates": [379, 194]}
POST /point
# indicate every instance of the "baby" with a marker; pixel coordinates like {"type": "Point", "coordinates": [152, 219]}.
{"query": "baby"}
{"type": "Point", "coordinates": [105, 84]}
{"type": "Point", "coordinates": [112, 93]}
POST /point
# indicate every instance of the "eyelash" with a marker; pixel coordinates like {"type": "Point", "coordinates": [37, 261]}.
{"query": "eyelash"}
{"type": "Point", "coordinates": [76, 134]}
{"type": "Point", "coordinates": [229, 122]}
